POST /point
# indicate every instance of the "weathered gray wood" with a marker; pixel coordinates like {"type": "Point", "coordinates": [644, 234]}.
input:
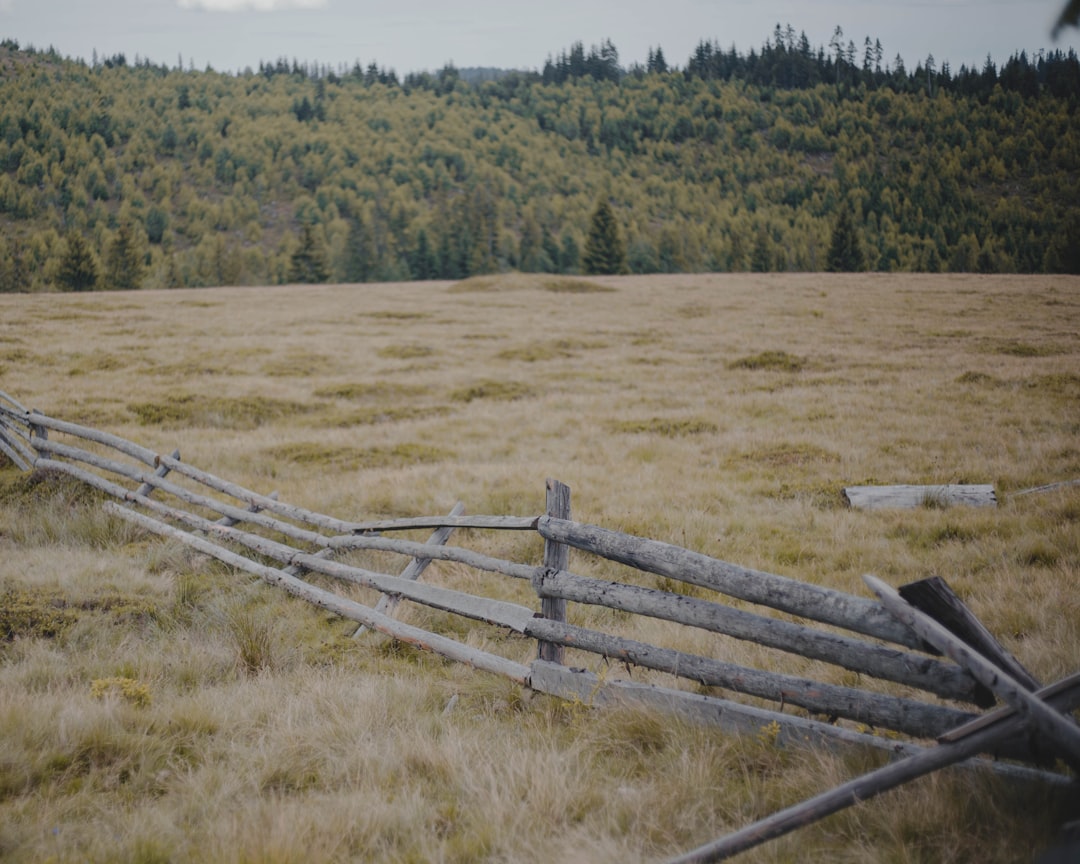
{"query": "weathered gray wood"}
{"type": "Point", "coordinates": [9, 447]}
{"type": "Point", "coordinates": [162, 470]}
{"type": "Point", "coordinates": [736, 718]}
{"type": "Point", "coordinates": [1049, 487]}
{"type": "Point", "coordinates": [556, 557]}
{"type": "Point", "coordinates": [229, 522]}
{"type": "Point", "coordinates": [911, 497]}
{"type": "Point", "coordinates": [879, 661]}
{"type": "Point", "coordinates": [498, 612]}
{"type": "Point", "coordinates": [918, 719]}
{"type": "Point", "coordinates": [1059, 694]}
{"type": "Point", "coordinates": [338, 542]}
{"type": "Point", "coordinates": [778, 592]}
{"type": "Point", "coordinates": [328, 600]}
{"type": "Point", "coordinates": [154, 460]}
{"type": "Point", "coordinates": [498, 523]}
{"type": "Point", "coordinates": [934, 597]}
{"type": "Point", "coordinates": [414, 569]}
{"type": "Point", "coordinates": [1059, 730]}
{"type": "Point", "coordinates": [968, 741]}
{"type": "Point", "coordinates": [11, 399]}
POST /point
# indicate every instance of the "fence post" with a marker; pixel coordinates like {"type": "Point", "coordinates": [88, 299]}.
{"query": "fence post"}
{"type": "Point", "coordinates": [556, 557]}
{"type": "Point", "coordinates": [36, 431]}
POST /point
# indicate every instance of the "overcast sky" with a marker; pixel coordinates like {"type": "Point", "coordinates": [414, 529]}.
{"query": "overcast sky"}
{"type": "Point", "coordinates": [230, 35]}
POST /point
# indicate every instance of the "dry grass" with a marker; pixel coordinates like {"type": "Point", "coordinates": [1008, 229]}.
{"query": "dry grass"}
{"type": "Point", "coordinates": [156, 707]}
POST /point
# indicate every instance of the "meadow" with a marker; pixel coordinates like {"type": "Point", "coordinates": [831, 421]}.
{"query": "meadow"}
{"type": "Point", "coordinates": [155, 706]}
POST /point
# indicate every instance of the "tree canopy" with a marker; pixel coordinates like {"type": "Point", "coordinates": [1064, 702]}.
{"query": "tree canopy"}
{"type": "Point", "coordinates": [734, 162]}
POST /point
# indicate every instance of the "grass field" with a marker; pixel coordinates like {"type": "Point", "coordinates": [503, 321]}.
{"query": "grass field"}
{"type": "Point", "coordinates": [156, 707]}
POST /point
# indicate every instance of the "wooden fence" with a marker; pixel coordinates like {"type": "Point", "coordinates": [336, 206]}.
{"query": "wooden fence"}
{"type": "Point", "coordinates": [890, 638]}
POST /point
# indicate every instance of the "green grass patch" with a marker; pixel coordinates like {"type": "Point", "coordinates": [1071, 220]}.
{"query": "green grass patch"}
{"type": "Point", "coordinates": [667, 427]}
{"type": "Point", "coordinates": [977, 379]}
{"type": "Point", "coordinates": [33, 614]}
{"type": "Point", "coordinates": [776, 361]}
{"type": "Point", "coordinates": [217, 412]}
{"type": "Point", "coordinates": [1016, 348]}
{"type": "Point", "coordinates": [380, 414]}
{"type": "Point", "coordinates": [350, 459]}
{"type": "Point", "coordinates": [499, 391]}
{"type": "Point", "coordinates": [554, 350]}
{"type": "Point", "coordinates": [782, 455]}
{"type": "Point", "coordinates": [382, 391]}
{"type": "Point", "coordinates": [298, 365]}
{"type": "Point", "coordinates": [527, 281]}
{"type": "Point", "coordinates": [406, 352]}
{"type": "Point", "coordinates": [37, 613]}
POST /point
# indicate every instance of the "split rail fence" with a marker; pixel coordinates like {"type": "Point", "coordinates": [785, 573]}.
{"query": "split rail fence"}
{"type": "Point", "coordinates": [921, 638]}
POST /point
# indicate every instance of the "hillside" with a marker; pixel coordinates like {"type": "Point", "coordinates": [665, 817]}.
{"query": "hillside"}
{"type": "Point", "coordinates": [188, 178]}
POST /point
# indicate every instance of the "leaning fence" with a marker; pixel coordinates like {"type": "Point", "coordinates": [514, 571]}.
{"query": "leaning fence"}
{"type": "Point", "coordinates": [284, 544]}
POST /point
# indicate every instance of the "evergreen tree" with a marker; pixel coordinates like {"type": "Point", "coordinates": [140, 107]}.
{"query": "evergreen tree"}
{"type": "Point", "coordinates": [359, 252]}
{"type": "Point", "coordinates": [605, 253]}
{"type": "Point", "coordinates": [845, 251]}
{"type": "Point", "coordinates": [761, 257]}
{"type": "Point", "coordinates": [78, 269]}
{"type": "Point", "coordinates": [423, 265]}
{"type": "Point", "coordinates": [308, 263]}
{"type": "Point", "coordinates": [123, 264]}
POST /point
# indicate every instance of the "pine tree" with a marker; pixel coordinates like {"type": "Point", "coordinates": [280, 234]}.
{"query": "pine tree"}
{"type": "Point", "coordinates": [845, 251]}
{"type": "Point", "coordinates": [123, 263]}
{"type": "Point", "coordinates": [78, 269]}
{"type": "Point", "coordinates": [308, 263]}
{"type": "Point", "coordinates": [605, 253]}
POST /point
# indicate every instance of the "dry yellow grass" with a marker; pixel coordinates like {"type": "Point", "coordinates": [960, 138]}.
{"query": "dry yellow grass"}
{"type": "Point", "coordinates": [723, 413]}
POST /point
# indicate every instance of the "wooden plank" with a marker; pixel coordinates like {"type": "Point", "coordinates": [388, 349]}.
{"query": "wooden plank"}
{"type": "Point", "coordinates": [918, 719]}
{"type": "Point", "coordinates": [1059, 730]}
{"type": "Point", "coordinates": [934, 597]}
{"type": "Point", "coordinates": [229, 521]}
{"type": "Point", "coordinates": [162, 470]}
{"type": "Point", "coordinates": [11, 400]}
{"type": "Point", "coordinates": [556, 557]}
{"type": "Point", "coordinates": [414, 569]}
{"type": "Point", "coordinates": [338, 542]}
{"type": "Point", "coordinates": [496, 612]}
{"type": "Point", "coordinates": [8, 448]}
{"type": "Point", "coordinates": [911, 497]}
{"type": "Point", "coordinates": [879, 661]}
{"type": "Point", "coordinates": [498, 523]}
{"type": "Point", "coordinates": [350, 609]}
{"type": "Point", "coordinates": [737, 718]}
{"type": "Point", "coordinates": [766, 589]}
{"type": "Point", "coordinates": [968, 741]}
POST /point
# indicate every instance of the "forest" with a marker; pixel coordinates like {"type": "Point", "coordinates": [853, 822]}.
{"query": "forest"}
{"type": "Point", "coordinates": [118, 174]}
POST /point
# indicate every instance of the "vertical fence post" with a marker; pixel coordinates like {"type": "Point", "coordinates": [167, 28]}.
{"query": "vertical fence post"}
{"type": "Point", "coordinates": [556, 557]}
{"type": "Point", "coordinates": [36, 431]}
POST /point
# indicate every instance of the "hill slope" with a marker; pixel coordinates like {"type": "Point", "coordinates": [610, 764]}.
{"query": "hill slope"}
{"type": "Point", "coordinates": [714, 168]}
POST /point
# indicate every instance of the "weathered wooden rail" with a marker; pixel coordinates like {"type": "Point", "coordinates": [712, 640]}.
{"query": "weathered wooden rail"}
{"type": "Point", "coordinates": [881, 638]}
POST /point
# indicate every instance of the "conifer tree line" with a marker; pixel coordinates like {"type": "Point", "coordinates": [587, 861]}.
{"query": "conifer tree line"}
{"type": "Point", "coordinates": [787, 158]}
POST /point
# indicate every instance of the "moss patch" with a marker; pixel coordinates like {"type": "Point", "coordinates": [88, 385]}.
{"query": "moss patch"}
{"type": "Point", "coordinates": [500, 391]}
{"type": "Point", "coordinates": [667, 427]}
{"type": "Point", "coordinates": [527, 281]}
{"type": "Point", "coordinates": [782, 455]}
{"type": "Point", "coordinates": [779, 361]}
{"type": "Point", "coordinates": [557, 349]}
{"type": "Point", "coordinates": [406, 352]}
{"type": "Point", "coordinates": [219, 412]}
{"type": "Point", "coordinates": [381, 391]}
{"type": "Point", "coordinates": [349, 458]}
{"type": "Point", "coordinates": [46, 614]}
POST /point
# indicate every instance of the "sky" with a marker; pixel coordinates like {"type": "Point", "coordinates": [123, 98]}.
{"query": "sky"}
{"type": "Point", "coordinates": [231, 35]}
